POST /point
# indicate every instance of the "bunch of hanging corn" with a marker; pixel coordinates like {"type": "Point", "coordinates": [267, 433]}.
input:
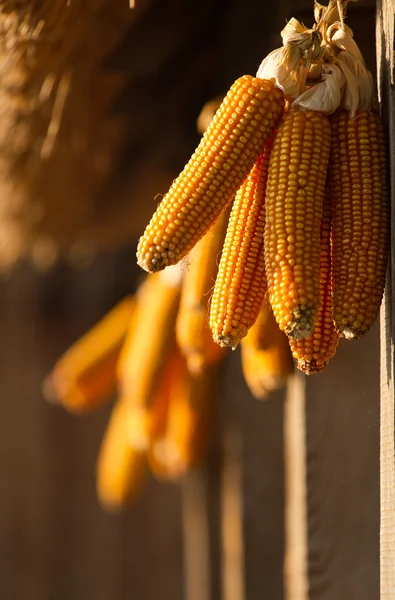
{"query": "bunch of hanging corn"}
{"type": "Point", "coordinates": [304, 125]}
{"type": "Point", "coordinates": [156, 351]}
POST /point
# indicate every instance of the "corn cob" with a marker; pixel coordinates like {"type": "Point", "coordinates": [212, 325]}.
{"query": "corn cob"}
{"type": "Point", "coordinates": [85, 376]}
{"type": "Point", "coordinates": [241, 284]}
{"type": "Point", "coordinates": [185, 439]}
{"type": "Point", "coordinates": [149, 421]}
{"type": "Point", "coordinates": [265, 355]}
{"type": "Point", "coordinates": [120, 466]}
{"type": "Point", "coordinates": [360, 220]}
{"type": "Point", "coordinates": [232, 143]}
{"type": "Point", "coordinates": [150, 340]}
{"type": "Point", "coordinates": [313, 353]}
{"type": "Point", "coordinates": [192, 329]}
{"type": "Point", "coordinates": [294, 200]}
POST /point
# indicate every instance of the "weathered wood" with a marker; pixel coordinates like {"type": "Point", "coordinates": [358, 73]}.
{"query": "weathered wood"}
{"type": "Point", "coordinates": [386, 81]}
{"type": "Point", "coordinates": [232, 535]}
{"type": "Point", "coordinates": [295, 455]}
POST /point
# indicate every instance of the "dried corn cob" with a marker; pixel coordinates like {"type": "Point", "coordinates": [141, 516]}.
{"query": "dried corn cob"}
{"type": "Point", "coordinates": [192, 329]}
{"type": "Point", "coordinates": [232, 143]}
{"type": "Point", "coordinates": [265, 355]}
{"type": "Point", "coordinates": [190, 414]}
{"type": "Point", "coordinates": [149, 421]}
{"type": "Point", "coordinates": [241, 284]}
{"type": "Point", "coordinates": [294, 200]}
{"type": "Point", "coordinates": [360, 220]}
{"type": "Point", "coordinates": [313, 353]}
{"type": "Point", "coordinates": [120, 466]}
{"type": "Point", "coordinates": [150, 340]}
{"type": "Point", "coordinates": [85, 376]}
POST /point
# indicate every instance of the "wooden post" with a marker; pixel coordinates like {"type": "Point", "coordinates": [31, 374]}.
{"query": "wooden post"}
{"type": "Point", "coordinates": [296, 542]}
{"type": "Point", "coordinates": [386, 83]}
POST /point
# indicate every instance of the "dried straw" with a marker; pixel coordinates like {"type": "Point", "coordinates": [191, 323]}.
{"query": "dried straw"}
{"type": "Point", "coordinates": [58, 138]}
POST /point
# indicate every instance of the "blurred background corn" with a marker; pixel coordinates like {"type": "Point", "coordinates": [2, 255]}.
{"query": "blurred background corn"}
{"type": "Point", "coordinates": [121, 468]}
{"type": "Point", "coordinates": [294, 200]}
{"type": "Point", "coordinates": [241, 284]}
{"type": "Point", "coordinates": [191, 410]}
{"type": "Point", "coordinates": [313, 353]}
{"type": "Point", "coordinates": [192, 328]}
{"type": "Point", "coordinates": [150, 338]}
{"type": "Point", "coordinates": [265, 355]}
{"type": "Point", "coordinates": [233, 141]}
{"type": "Point", "coordinates": [86, 375]}
{"type": "Point", "coordinates": [360, 220]}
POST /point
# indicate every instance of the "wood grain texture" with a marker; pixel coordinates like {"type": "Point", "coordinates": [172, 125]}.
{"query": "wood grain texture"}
{"type": "Point", "coordinates": [342, 419]}
{"type": "Point", "coordinates": [386, 81]}
{"type": "Point", "coordinates": [295, 455]}
{"type": "Point", "coordinates": [260, 425]}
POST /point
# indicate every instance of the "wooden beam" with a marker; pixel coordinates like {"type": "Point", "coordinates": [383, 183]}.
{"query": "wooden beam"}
{"type": "Point", "coordinates": [296, 542]}
{"type": "Point", "coordinates": [385, 70]}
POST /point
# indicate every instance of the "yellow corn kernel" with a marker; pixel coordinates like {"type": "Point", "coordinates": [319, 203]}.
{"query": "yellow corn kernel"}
{"type": "Point", "coordinates": [85, 376]}
{"type": "Point", "coordinates": [150, 339]}
{"type": "Point", "coordinates": [313, 353]}
{"type": "Point", "coordinates": [360, 220]}
{"type": "Point", "coordinates": [265, 355]}
{"type": "Point", "coordinates": [120, 466]}
{"type": "Point", "coordinates": [192, 329]}
{"type": "Point", "coordinates": [184, 441]}
{"type": "Point", "coordinates": [241, 284]}
{"type": "Point", "coordinates": [232, 143]}
{"type": "Point", "coordinates": [294, 200]}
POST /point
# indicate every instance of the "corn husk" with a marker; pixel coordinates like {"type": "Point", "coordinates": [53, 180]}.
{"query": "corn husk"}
{"type": "Point", "coordinates": [325, 96]}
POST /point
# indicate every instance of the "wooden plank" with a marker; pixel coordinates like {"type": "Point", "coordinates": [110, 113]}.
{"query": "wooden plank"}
{"type": "Point", "coordinates": [342, 419]}
{"type": "Point", "coordinates": [295, 453]}
{"type": "Point", "coordinates": [385, 69]}
{"type": "Point", "coordinates": [196, 536]}
{"type": "Point", "coordinates": [232, 534]}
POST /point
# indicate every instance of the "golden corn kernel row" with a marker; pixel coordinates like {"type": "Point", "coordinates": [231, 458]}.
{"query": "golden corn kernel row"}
{"type": "Point", "coordinates": [313, 353]}
{"type": "Point", "coordinates": [294, 200]}
{"type": "Point", "coordinates": [85, 376]}
{"type": "Point", "coordinates": [241, 285]}
{"type": "Point", "coordinates": [360, 220]}
{"type": "Point", "coordinates": [232, 143]}
{"type": "Point", "coordinates": [192, 329]}
{"type": "Point", "coordinates": [265, 355]}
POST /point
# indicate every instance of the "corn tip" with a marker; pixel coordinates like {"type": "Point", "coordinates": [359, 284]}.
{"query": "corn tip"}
{"type": "Point", "coordinates": [302, 324]}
